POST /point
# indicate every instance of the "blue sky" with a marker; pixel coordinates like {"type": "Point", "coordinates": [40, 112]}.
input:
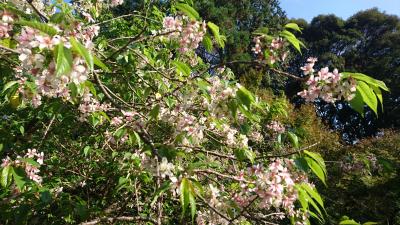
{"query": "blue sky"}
{"type": "Point", "coordinates": [307, 9]}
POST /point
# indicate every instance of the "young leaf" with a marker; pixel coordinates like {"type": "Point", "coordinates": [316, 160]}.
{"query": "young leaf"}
{"type": "Point", "coordinates": [367, 79]}
{"type": "Point", "coordinates": [313, 193]}
{"type": "Point", "coordinates": [185, 192]}
{"type": "Point", "coordinates": [348, 222]}
{"type": "Point", "coordinates": [297, 44]}
{"type": "Point", "coordinates": [218, 37]}
{"type": "Point", "coordinates": [19, 177]}
{"type": "Point", "coordinates": [316, 168]}
{"type": "Point", "coordinates": [45, 28]}
{"type": "Point", "coordinates": [164, 187]}
{"type": "Point", "coordinates": [378, 94]}
{"type": "Point", "coordinates": [317, 157]}
{"type": "Point", "coordinates": [30, 161]}
{"type": "Point", "coordinates": [293, 26]}
{"type": "Point", "coordinates": [357, 103]}
{"type": "Point", "coordinates": [155, 111]}
{"type": "Point", "coordinates": [192, 201]}
{"type": "Point", "coordinates": [6, 176]}
{"type": "Point", "coordinates": [81, 50]}
{"type": "Point", "coordinates": [293, 139]}
{"type": "Point", "coordinates": [207, 43]}
{"type": "Point", "coordinates": [9, 85]}
{"type": "Point", "coordinates": [368, 96]}
{"type": "Point", "coordinates": [100, 64]}
{"type": "Point", "coordinates": [245, 97]}
{"type": "Point", "coordinates": [64, 60]}
{"type": "Point", "coordinates": [188, 10]}
{"type": "Point", "coordinates": [182, 68]}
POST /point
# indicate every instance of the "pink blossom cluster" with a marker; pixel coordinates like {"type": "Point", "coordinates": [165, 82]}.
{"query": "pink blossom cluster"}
{"type": "Point", "coordinates": [32, 171]}
{"type": "Point", "coordinates": [116, 2]}
{"type": "Point", "coordinates": [271, 188]}
{"type": "Point", "coordinates": [34, 47]}
{"type": "Point", "coordinates": [276, 127]}
{"type": "Point", "coordinates": [275, 51]}
{"type": "Point", "coordinates": [329, 86]}
{"type": "Point", "coordinates": [220, 92]}
{"type": "Point", "coordinates": [185, 123]}
{"type": "Point", "coordinates": [5, 23]}
{"type": "Point", "coordinates": [360, 164]}
{"type": "Point", "coordinates": [187, 32]}
{"type": "Point", "coordinates": [90, 105]}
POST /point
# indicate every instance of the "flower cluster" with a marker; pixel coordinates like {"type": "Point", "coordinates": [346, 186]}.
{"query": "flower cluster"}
{"type": "Point", "coordinates": [90, 105]}
{"type": "Point", "coordinates": [364, 164]}
{"type": "Point", "coordinates": [35, 47]}
{"type": "Point", "coordinates": [329, 86]}
{"type": "Point", "coordinates": [187, 32]}
{"type": "Point", "coordinates": [274, 187]}
{"type": "Point", "coordinates": [275, 51]}
{"type": "Point", "coordinates": [30, 170]}
{"type": "Point", "coordinates": [276, 127]}
{"type": "Point", "coordinates": [116, 2]}
{"type": "Point", "coordinates": [5, 23]}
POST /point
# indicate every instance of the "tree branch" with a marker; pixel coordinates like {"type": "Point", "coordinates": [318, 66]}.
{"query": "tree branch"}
{"type": "Point", "coordinates": [41, 15]}
{"type": "Point", "coordinates": [119, 218]}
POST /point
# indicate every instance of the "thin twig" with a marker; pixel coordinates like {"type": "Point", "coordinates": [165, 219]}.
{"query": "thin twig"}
{"type": "Point", "coordinates": [46, 131]}
{"type": "Point", "coordinates": [208, 171]}
{"type": "Point", "coordinates": [119, 218]}
{"type": "Point", "coordinates": [9, 49]}
{"type": "Point", "coordinates": [290, 153]}
{"type": "Point", "coordinates": [41, 15]}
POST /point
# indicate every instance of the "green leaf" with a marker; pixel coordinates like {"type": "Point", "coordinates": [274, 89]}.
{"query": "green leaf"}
{"type": "Point", "coordinates": [348, 222]}
{"type": "Point", "coordinates": [378, 94]}
{"type": "Point", "coordinates": [185, 192]}
{"type": "Point", "coordinates": [19, 177]}
{"type": "Point", "coordinates": [192, 201]}
{"type": "Point", "coordinates": [297, 44]}
{"type": "Point", "coordinates": [45, 28]}
{"type": "Point", "coordinates": [243, 154]}
{"type": "Point", "coordinates": [22, 130]}
{"type": "Point", "coordinates": [86, 151]}
{"type": "Point", "coordinates": [164, 187]}
{"type": "Point", "coordinates": [293, 139]}
{"type": "Point", "coordinates": [316, 168]}
{"type": "Point", "coordinates": [64, 60]}
{"type": "Point", "coordinates": [155, 111]}
{"type": "Point", "coordinates": [207, 42]}
{"type": "Point", "coordinates": [245, 97]}
{"type": "Point", "coordinates": [30, 161]}
{"type": "Point", "coordinates": [100, 64]}
{"type": "Point", "coordinates": [293, 26]}
{"type": "Point", "coordinates": [366, 79]}
{"type": "Point", "coordinates": [218, 37]}
{"type": "Point", "coordinates": [188, 10]}
{"type": "Point", "coordinates": [182, 68]}
{"type": "Point", "coordinates": [9, 85]}
{"type": "Point", "coordinates": [6, 176]}
{"type": "Point", "coordinates": [82, 51]}
{"type": "Point", "coordinates": [368, 96]}
{"type": "Point", "coordinates": [370, 223]}
{"type": "Point", "coordinates": [320, 165]}
{"type": "Point", "coordinates": [313, 193]}
{"type": "Point", "coordinates": [357, 103]}
{"type": "Point", "coordinates": [90, 85]}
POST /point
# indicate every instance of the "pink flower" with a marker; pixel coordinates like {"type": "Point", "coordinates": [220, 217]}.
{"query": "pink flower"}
{"type": "Point", "coordinates": [116, 121]}
{"type": "Point", "coordinates": [7, 17]}
{"type": "Point", "coordinates": [5, 162]}
{"type": "Point", "coordinates": [116, 2]}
